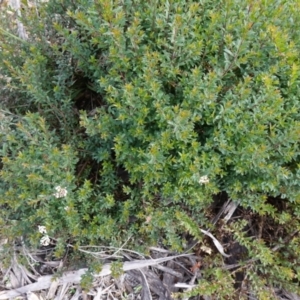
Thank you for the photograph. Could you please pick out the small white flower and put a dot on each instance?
(45, 240)
(66, 208)
(42, 229)
(204, 179)
(60, 192)
(206, 249)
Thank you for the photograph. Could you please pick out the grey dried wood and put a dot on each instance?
(155, 284)
(146, 294)
(170, 277)
(44, 282)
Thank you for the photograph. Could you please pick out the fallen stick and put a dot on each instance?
(44, 282)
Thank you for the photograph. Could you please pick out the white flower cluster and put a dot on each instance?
(60, 192)
(204, 179)
(42, 229)
(45, 240)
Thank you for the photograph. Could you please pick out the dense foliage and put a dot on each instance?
(127, 105)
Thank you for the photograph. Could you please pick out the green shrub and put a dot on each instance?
(128, 106)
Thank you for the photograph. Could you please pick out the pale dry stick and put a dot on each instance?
(84, 295)
(14, 37)
(102, 292)
(5, 275)
(260, 227)
(129, 251)
(29, 277)
(146, 288)
(277, 247)
(216, 242)
(16, 5)
(28, 254)
(183, 285)
(183, 267)
(100, 254)
(18, 273)
(52, 289)
(32, 296)
(94, 254)
(62, 292)
(14, 274)
(76, 295)
(228, 207)
(52, 264)
(111, 295)
(191, 284)
(54, 285)
(8, 112)
(121, 248)
(160, 250)
(13, 281)
(221, 211)
(108, 247)
(290, 296)
(44, 282)
(168, 270)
